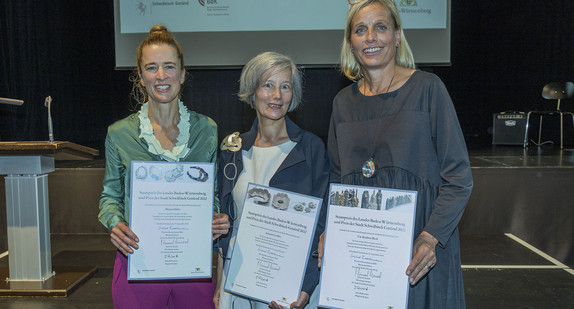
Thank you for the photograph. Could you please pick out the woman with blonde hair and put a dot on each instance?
(396, 127)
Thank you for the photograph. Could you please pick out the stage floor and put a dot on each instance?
(500, 271)
(484, 155)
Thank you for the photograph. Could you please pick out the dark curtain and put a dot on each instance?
(63, 49)
(504, 52)
(502, 55)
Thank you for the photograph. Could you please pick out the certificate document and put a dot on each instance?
(171, 211)
(272, 245)
(368, 244)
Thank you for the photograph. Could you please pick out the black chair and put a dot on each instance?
(553, 91)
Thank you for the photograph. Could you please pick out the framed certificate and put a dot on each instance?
(171, 210)
(272, 245)
(367, 248)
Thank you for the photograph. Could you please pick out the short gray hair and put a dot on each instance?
(263, 66)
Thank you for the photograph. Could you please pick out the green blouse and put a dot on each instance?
(124, 144)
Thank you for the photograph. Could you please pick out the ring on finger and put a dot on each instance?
(428, 266)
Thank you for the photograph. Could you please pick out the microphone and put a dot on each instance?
(11, 101)
(48, 103)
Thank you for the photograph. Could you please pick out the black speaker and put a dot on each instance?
(508, 128)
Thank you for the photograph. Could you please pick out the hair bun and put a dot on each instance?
(158, 29)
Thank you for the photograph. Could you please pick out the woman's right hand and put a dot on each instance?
(124, 238)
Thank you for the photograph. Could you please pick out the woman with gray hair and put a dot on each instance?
(275, 153)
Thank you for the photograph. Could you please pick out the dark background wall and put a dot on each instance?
(503, 52)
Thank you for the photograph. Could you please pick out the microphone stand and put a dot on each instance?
(48, 103)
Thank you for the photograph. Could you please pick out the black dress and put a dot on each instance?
(414, 137)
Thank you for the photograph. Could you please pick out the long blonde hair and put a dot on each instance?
(349, 64)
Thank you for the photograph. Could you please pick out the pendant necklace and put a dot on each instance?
(369, 167)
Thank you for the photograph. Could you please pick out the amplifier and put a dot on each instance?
(508, 128)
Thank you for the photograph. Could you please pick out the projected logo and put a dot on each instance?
(408, 3)
(210, 2)
(141, 8)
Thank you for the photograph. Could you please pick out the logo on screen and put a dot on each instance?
(141, 8)
(202, 2)
(408, 3)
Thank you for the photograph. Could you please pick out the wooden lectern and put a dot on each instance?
(26, 166)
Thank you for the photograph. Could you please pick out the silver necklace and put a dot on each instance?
(369, 167)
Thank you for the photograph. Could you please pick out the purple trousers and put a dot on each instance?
(175, 295)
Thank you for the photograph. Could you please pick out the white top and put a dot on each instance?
(259, 165)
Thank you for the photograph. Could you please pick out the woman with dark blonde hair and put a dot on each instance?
(163, 130)
(396, 127)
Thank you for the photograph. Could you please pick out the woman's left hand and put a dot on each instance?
(320, 249)
(424, 257)
(300, 303)
(220, 225)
